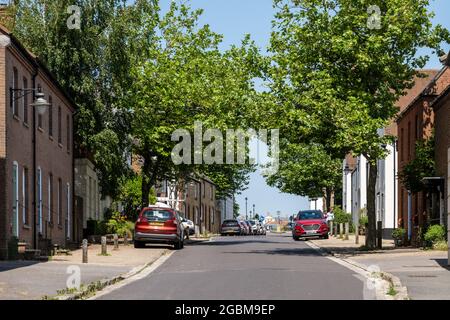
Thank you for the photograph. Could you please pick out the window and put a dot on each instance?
(68, 226)
(15, 199)
(15, 94)
(409, 140)
(50, 116)
(59, 202)
(402, 143)
(50, 198)
(25, 101)
(59, 125)
(25, 195)
(39, 200)
(68, 132)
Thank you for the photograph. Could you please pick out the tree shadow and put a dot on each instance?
(7, 265)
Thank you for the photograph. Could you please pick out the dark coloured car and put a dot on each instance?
(159, 225)
(230, 227)
(310, 223)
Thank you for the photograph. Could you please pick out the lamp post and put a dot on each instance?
(246, 213)
(254, 212)
(40, 105)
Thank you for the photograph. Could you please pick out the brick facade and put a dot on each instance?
(54, 154)
(416, 123)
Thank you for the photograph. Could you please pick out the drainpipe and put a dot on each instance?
(395, 183)
(35, 240)
(409, 215)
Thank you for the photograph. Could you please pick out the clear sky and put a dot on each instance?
(235, 18)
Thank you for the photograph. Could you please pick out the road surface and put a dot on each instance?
(243, 268)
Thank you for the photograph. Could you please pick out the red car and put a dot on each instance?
(159, 225)
(310, 223)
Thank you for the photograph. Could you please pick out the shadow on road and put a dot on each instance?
(10, 265)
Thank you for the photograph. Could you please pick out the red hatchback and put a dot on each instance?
(310, 223)
(159, 225)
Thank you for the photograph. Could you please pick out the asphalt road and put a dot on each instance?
(242, 268)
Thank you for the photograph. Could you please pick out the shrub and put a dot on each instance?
(119, 224)
(342, 217)
(434, 234)
(363, 220)
(441, 245)
(399, 233)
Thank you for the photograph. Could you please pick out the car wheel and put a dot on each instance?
(139, 244)
(178, 245)
(325, 237)
(296, 238)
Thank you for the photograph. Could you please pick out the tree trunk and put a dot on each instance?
(328, 193)
(145, 189)
(371, 205)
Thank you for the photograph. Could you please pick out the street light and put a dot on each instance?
(39, 104)
(246, 214)
(254, 212)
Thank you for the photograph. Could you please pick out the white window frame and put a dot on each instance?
(15, 217)
(68, 211)
(39, 182)
(24, 196)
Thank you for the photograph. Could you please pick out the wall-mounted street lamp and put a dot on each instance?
(40, 105)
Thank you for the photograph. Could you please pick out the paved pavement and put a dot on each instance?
(241, 268)
(424, 273)
(27, 280)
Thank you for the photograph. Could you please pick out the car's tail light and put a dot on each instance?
(142, 220)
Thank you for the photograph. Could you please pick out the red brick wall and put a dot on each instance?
(52, 157)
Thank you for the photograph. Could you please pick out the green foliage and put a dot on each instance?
(434, 234)
(335, 81)
(440, 245)
(119, 224)
(399, 234)
(363, 220)
(423, 165)
(340, 216)
(130, 195)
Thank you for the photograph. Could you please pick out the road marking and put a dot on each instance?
(142, 274)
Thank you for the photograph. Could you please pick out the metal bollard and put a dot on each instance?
(331, 227)
(380, 234)
(104, 248)
(341, 230)
(347, 230)
(335, 231)
(85, 251)
(125, 239)
(116, 242)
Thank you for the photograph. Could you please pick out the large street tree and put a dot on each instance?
(338, 69)
(93, 64)
(187, 79)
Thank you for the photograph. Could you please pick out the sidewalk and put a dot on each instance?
(424, 272)
(31, 280)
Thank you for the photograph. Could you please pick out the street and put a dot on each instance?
(245, 268)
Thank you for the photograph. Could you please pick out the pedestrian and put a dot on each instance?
(329, 217)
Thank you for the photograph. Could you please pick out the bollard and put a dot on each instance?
(356, 233)
(331, 227)
(116, 242)
(125, 239)
(85, 251)
(347, 230)
(104, 248)
(380, 234)
(335, 231)
(341, 230)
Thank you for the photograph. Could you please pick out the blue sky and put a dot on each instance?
(235, 18)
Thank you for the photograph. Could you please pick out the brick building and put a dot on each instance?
(35, 195)
(416, 123)
(441, 108)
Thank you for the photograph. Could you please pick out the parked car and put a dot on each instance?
(159, 225)
(249, 225)
(310, 223)
(244, 228)
(230, 227)
(262, 229)
(255, 226)
(188, 225)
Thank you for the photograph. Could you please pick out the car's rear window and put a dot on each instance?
(310, 215)
(230, 223)
(252, 222)
(158, 215)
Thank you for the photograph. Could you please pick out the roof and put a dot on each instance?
(420, 88)
(436, 103)
(37, 63)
